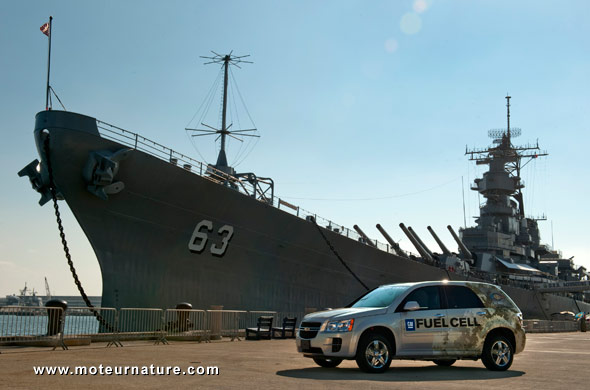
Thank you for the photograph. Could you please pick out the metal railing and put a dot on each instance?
(80, 322)
(225, 323)
(41, 326)
(140, 323)
(543, 326)
(38, 326)
(185, 324)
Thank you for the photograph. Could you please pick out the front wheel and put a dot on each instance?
(445, 363)
(497, 354)
(327, 362)
(374, 353)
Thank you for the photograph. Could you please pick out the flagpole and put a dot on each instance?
(48, 68)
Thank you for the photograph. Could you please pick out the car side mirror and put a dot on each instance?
(411, 306)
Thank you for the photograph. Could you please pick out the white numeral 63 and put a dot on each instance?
(200, 236)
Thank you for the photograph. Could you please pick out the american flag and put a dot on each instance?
(45, 29)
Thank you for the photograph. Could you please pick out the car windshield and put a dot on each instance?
(381, 297)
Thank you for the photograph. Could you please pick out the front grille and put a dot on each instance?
(308, 330)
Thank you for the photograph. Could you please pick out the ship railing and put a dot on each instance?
(334, 227)
(35, 326)
(164, 153)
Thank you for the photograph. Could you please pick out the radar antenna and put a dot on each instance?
(226, 60)
(499, 134)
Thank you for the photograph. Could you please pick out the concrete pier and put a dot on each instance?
(550, 361)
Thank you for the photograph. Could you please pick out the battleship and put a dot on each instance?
(167, 228)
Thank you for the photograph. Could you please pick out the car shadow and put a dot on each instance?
(401, 374)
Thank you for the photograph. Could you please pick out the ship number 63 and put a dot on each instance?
(200, 237)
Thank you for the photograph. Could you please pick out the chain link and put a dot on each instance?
(96, 314)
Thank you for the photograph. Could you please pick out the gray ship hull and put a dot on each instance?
(272, 261)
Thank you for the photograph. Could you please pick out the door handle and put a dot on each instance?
(439, 315)
(481, 313)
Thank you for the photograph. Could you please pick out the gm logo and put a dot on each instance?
(410, 325)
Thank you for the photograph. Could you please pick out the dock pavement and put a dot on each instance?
(550, 361)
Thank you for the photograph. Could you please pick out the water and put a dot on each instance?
(36, 325)
(33, 321)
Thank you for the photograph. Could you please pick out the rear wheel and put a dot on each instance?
(374, 353)
(327, 362)
(498, 353)
(444, 363)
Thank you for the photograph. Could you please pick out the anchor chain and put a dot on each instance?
(96, 314)
(338, 256)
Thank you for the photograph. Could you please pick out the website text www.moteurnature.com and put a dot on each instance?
(125, 370)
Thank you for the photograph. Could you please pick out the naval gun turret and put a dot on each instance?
(445, 260)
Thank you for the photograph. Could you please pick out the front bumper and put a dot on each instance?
(341, 345)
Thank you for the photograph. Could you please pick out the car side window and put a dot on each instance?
(427, 297)
(460, 297)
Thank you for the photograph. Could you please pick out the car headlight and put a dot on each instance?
(339, 326)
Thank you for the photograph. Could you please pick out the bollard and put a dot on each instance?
(184, 323)
(215, 319)
(583, 326)
(54, 317)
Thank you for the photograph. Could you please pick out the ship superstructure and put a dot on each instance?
(505, 240)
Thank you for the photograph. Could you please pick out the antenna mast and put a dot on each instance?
(508, 114)
(226, 60)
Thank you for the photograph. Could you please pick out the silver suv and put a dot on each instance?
(438, 321)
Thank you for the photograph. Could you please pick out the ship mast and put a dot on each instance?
(504, 159)
(225, 61)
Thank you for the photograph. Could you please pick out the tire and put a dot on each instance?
(374, 353)
(444, 363)
(327, 362)
(498, 353)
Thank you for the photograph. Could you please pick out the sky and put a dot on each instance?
(364, 108)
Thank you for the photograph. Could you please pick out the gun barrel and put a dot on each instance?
(439, 242)
(393, 244)
(462, 246)
(363, 235)
(416, 244)
(421, 242)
